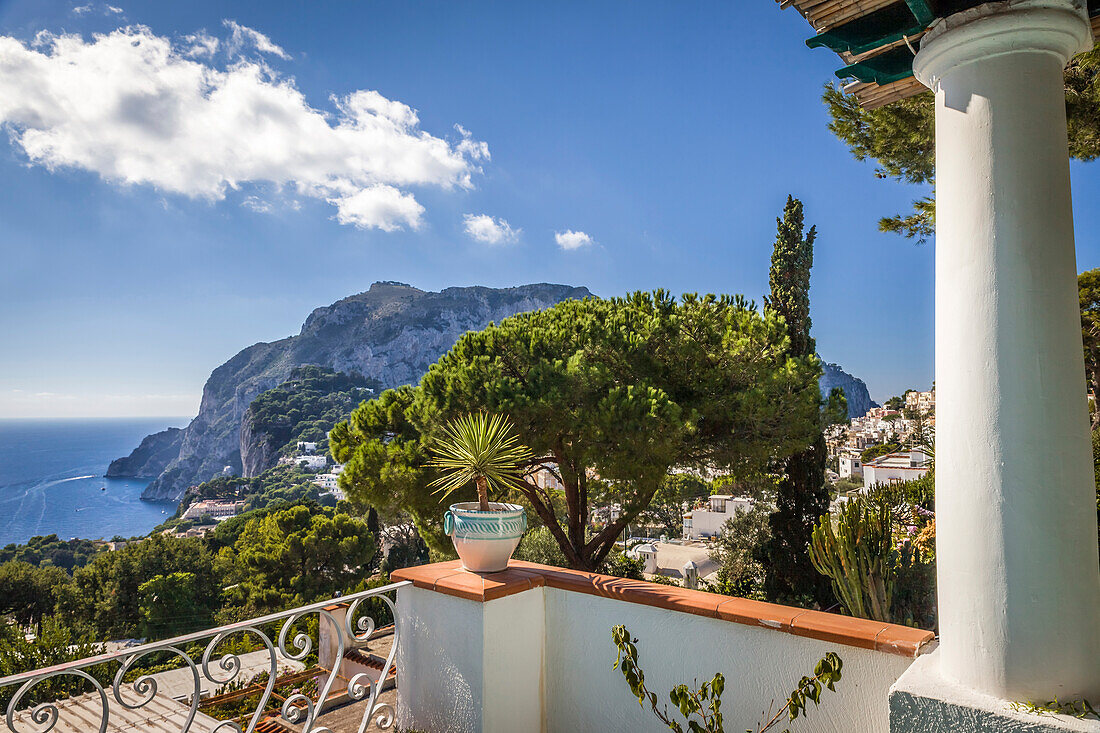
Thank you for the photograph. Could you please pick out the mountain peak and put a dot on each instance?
(390, 334)
(859, 400)
(387, 284)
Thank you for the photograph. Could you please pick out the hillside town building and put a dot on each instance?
(708, 521)
(921, 401)
(850, 465)
(307, 462)
(894, 468)
(214, 508)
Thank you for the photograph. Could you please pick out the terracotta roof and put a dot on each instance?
(271, 725)
(450, 579)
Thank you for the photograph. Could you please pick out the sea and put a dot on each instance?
(52, 479)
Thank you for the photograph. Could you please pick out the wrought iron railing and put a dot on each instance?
(355, 629)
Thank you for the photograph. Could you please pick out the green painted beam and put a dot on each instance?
(875, 30)
(895, 64)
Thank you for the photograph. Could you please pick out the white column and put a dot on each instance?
(1019, 585)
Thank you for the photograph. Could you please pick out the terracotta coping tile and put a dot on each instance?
(903, 640)
(425, 576)
(636, 591)
(757, 613)
(449, 578)
(833, 627)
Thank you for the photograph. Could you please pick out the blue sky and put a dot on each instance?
(140, 253)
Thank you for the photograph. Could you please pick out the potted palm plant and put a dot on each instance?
(483, 449)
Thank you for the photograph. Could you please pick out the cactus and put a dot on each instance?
(854, 548)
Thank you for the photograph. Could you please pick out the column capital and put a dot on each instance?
(1058, 27)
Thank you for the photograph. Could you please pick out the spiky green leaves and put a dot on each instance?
(479, 448)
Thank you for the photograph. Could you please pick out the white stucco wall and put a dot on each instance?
(542, 660)
(850, 466)
(470, 666)
(439, 661)
(583, 692)
(709, 523)
(514, 662)
(874, 475)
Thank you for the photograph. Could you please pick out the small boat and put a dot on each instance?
(163, 512)
(102, 488)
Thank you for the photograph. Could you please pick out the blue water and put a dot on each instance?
(51, 476)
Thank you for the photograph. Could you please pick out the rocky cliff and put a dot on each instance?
(390, 334)
(150, 458)
(859, 399)
(259, 448)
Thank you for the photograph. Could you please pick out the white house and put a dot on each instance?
(327, 481)
(707, 522)
(648, 555)
(311, 463)
(896, 467)
(851, 465)
(306, 447)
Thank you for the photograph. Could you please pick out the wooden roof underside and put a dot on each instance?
(824, 15)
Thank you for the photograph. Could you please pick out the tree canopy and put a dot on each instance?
(901, 137)
(51, 550)
(306, 406)
(160, 586)
(737, 552)
(386, 464)
(293, 556)
(623, 389)
(29, 593)
(1088, 290)
(801, 494)
(107, 592)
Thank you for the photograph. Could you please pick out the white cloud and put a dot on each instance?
(484, 228)
(139, 109)
(569, 239)
(383, 207)
(243, 36)
(200, 45)
(92, 7)
(257, 204)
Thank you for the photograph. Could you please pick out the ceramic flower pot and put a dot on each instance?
(485, 540)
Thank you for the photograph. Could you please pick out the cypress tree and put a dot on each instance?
(801, 496)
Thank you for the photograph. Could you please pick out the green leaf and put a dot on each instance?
(477, 447)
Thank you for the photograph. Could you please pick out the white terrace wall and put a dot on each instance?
(761, 667)
(542, 660)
